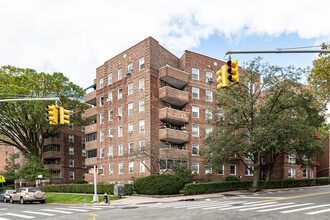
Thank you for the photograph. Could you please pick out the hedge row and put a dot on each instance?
(86, 188)
(214, 187)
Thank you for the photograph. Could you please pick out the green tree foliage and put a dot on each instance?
(267, 113)
(23, 124)
(319, 76)
(182, 170)
(10, 167)
(32, 169)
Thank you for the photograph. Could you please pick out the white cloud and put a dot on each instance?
(75, 37)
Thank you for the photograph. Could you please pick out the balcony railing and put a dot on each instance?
(52, 155)
(90, 98)
(173, 116)
(173, 96)
(174, 77)
(174, 153)
(173, 136)
(91, 114)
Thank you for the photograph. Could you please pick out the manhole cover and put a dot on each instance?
(130, 207)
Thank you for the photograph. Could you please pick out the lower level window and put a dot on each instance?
(71, 175)
(232, 169)
(248, 171)
(195, 168)
(292, 172)
(305, 173)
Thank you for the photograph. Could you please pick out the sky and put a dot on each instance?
(76, 36)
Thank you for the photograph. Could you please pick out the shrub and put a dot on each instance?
(218, 181)
(159, 185)
(182, 170)
(213, 187)
(79, 182)
(232, 179)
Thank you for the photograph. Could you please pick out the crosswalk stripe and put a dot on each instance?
(216, 205)
(180, 204)
(53, 210)
(267, 206)
(18, 215)
(305, 208)
(200, 205)
(4, 218)
(39, 213)
(246, 206)
(73, 209)
(286, 207)
(317, 212)
(93, 208)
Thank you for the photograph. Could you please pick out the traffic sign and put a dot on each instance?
(2, 179)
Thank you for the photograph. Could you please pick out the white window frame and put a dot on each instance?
(194, 129)
(83, 164)
(292, 159)
(130, 89)
(130, 108)
(195, 73)
(101, 83)
(102, 168)
(101, 118)
(101, 100)
(208, 131)
(101, 135)
(120, 168)
(142, 145)
(131, 167)
(195, 110)
(248, 172)
(71, 150)
(194, 166)
(142, 166)
(130, 67)
(120, 74)
(208, 75)
(130, 128)
(110, 153)
(141, 84)
(304, 173)
(230, 166)
(71, 138)
(110, 169)
(83, 153)
(101, 152)
(110, 115)
(120, 93)
(195, 92)
(130, 147)
(208, 170)
(141, 126)
(208, 114)
(120, 130)
(120, 111)
(208, 95)
(141, 63)
(110, 132)
(141, 105)
(223, 170)
(120, 150)
(194, 146)
(109, 97)
(71, 163)
(71, 174)
(110, 79)
(291, 172)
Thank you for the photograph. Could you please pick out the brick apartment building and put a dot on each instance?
(324, 168)
(63, 156)
(146, 95)
(5, 152)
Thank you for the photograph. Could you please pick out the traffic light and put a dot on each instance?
(64, 116)
(232, 70)
(52, 114)
(222, 79)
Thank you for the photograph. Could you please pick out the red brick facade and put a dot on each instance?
(5, 151)
(324, 168)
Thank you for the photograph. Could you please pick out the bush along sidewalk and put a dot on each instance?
(214, 187)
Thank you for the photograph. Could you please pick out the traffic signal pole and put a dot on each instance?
(31, 99)
(275, 51)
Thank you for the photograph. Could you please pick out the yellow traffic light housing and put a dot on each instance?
(64, 116)
(52, 114)
(232, 70)
(222, 79)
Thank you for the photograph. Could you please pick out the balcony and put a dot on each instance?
(173, 136)
(90, 98)
(53, 166)
(173, 116)
(91, 161)
(174, 77)
(56, 141)
(90, 128)
(174, 153)
(90, 145)
(52, 155)
(91, 114)
(173, 96)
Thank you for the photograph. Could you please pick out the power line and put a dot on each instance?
(292, 48)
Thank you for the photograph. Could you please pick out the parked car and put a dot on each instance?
(24, 195)
(6, 194)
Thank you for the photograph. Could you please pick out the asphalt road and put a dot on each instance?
(308, 203)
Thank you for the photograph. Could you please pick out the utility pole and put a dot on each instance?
(229, 52)
(95, 186)
(30, 99)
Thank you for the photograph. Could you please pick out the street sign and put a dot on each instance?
(2, 179)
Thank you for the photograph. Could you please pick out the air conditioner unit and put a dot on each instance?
(141, 89)
(210, 80)
(208, 172)
(129, 72)
(130, 132)
(110, 136)
(118, 116)
(109, 100)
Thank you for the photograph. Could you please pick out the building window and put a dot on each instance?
(250, 86)
(83, 153)
(101, 118)
(71, 175)
(120, 111)
(71, 138)
(142, 145)
(109, 100)
(195, 93)
(120, 131)
(141, 105)
(131, 167)
(130, 68)
(208, 95)
(142, 166)
(101, 100)
(195, 149)
(141, 125)
(195, 111)
(208, 114)
(248, 172)
(101, 136)
(102, 168)
(92, 153)
(71, 163)
(208, 131)
(292, 172)
(71, 150)
(130, 148)
(195, 168)
(221, 170)
(110, 153)
(120, 149)
(130, 128)
(110, 79)
(232, 169)
(130, 89)
(208, 76)
(102, 152)
(120, 93)
(101, 83)
(83, 140)
(195, 73)
(110, 116)
(141, 84)
(208, 170)
(292, 158)
(304, 173)
(110, 134)
(120, 74)
(195, 130)
(110, 169)
(83, 164)
(120, 168)
(130, 108)
(141, 63)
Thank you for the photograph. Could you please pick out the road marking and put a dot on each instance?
(73, 209)
(286, 207)
(18, 215)
(293, 197)
(230, 204)
(222, 204)
(254, 197)
(93, 208)
(53, 210)
(4, 218)
(317, 212)
(306, 208)
(39, 213)
(246, 206)
(267, 206)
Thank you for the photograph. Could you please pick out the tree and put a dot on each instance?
(319, 76)
(32, 169)
(10, 167)
(182, 170)
(268, 113)
(23, 124)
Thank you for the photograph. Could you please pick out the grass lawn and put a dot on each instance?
(65, 198)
